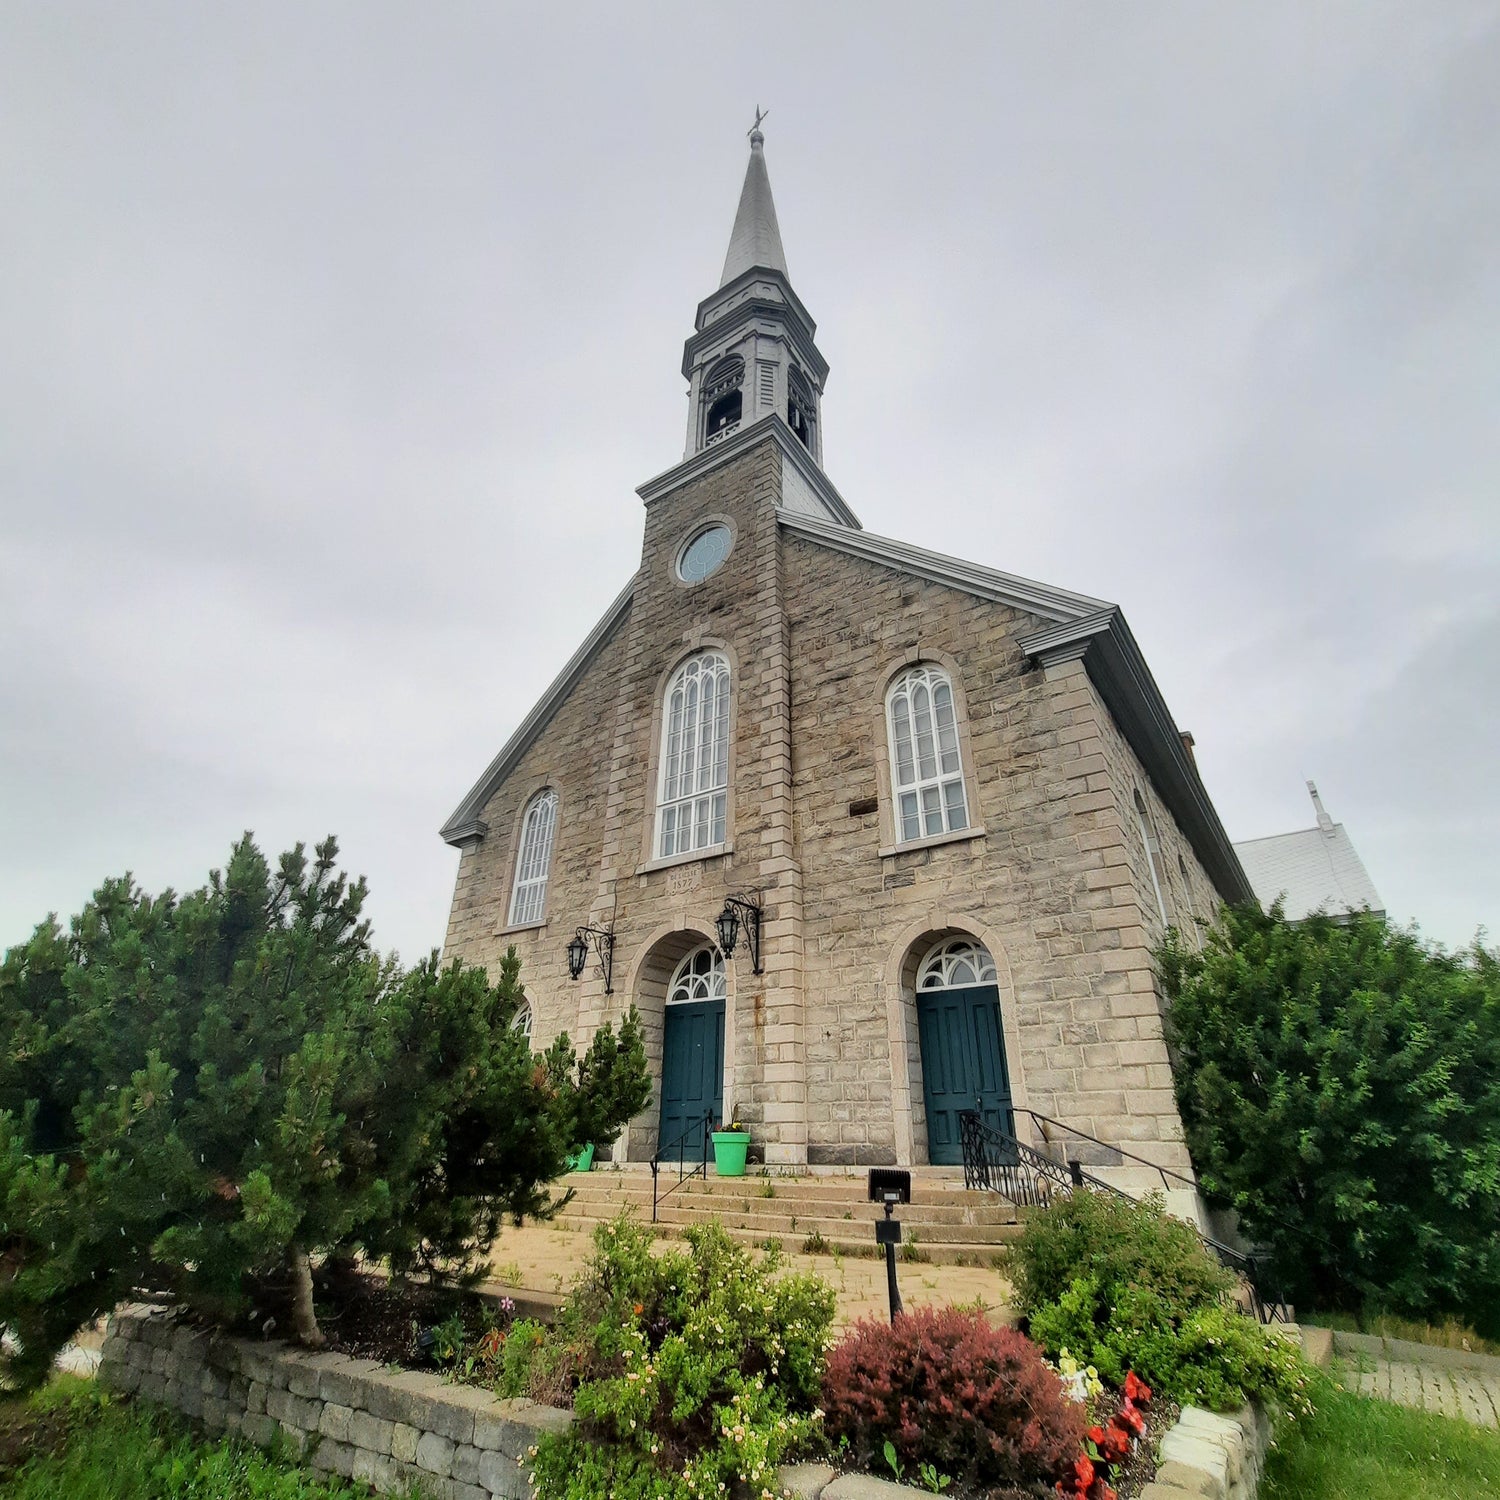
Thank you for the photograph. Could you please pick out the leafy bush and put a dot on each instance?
(1119, 1243)
(1337, 1080)
(1212, 1356)
(1123, 1286)
(946, 1388)
(196, 1088)
(691, 1371)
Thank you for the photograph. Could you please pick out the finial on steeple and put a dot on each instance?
(756, 138)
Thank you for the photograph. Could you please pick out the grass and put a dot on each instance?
(1357, 1448)
(1449, 1335)
(85, 1446)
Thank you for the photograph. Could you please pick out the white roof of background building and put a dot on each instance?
(1314, 869)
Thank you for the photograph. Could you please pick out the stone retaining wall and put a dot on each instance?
(352, 1417)
(1212, 1457)
(362, 1420)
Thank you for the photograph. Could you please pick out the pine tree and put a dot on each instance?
(234, 1082)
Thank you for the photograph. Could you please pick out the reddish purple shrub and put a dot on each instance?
(947, 1388)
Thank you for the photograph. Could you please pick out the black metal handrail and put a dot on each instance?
(705, 1124)
(1083, 1135)
(998, 1162)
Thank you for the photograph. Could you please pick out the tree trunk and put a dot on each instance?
(304, 1319)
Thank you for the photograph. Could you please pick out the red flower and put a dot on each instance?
(1083, 1474)
(1095, 1435)
(1131, 1418)
(1115, 1444)
(1136, 1389)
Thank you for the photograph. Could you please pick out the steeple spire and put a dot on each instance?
(756, 238)
(752, 354)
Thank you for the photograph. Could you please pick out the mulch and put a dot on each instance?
(365, 1316)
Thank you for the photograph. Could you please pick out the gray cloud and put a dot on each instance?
(336, 342)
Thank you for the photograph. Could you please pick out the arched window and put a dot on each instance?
(1153, 854)
(799, 406)
(700, 976)
(521, 1021)
(723, 399)
(528, 897)
(927, 776)
(692, 795)
(956, 964)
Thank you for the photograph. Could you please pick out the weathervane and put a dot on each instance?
(760, 115)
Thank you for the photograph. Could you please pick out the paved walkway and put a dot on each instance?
(543, 1259)
(1446, 1381)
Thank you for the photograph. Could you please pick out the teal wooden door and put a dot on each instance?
(963, 1065)
(692, 1072)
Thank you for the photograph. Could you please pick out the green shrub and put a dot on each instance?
(1214, 1356)
(1337, 1083)
(1119, 1243)
(1123, 1286)
(693, 1370)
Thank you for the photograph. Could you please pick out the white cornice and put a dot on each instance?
(772, 425)
(988, 583)
(465, 826)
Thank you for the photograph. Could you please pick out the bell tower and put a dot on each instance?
(752, 353)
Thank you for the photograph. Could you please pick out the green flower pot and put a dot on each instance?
(730, 1147)
(583, 1161)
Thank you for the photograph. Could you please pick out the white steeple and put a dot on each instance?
(756, 238)
(753, 352)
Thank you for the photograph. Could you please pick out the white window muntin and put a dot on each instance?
(521, 1021)
(528, 897)
(693, 791)
(956, 964)
(927, 777)
(1148, 838)
(700, 976)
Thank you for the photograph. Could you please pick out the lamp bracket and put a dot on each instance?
(602, 940)
(750, 913)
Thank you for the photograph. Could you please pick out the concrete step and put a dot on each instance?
(978, 1213)
(635, 1187)
(844, 1238)
(855, 1230)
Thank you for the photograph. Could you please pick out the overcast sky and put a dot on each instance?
(335, 339)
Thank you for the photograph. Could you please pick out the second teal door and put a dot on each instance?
(963, 1065)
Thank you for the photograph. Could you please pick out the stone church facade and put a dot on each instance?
(955, 795)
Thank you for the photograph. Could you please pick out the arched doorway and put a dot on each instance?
(692, 1051)
(963, 1048)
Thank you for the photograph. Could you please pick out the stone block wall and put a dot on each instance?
(822, 1056)
(390, 1429)
(1209, 1456)
(351, 1417)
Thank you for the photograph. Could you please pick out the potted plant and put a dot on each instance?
(731, 1142)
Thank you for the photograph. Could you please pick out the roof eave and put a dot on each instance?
(466, 826)
(988, 583)
(1113, 660)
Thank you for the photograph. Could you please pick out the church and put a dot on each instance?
(868, 834)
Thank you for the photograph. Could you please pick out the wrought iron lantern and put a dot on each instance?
(603, 941)
(740, 910)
